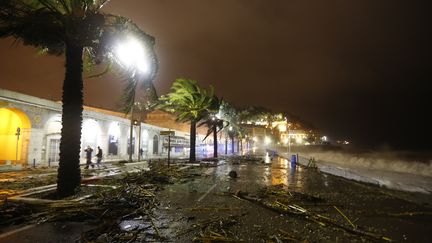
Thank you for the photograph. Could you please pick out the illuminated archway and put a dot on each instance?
(113, 138)
(53, 128)
(14, 135)
(90, 135)
(144, 142)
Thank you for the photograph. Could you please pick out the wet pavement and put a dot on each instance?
(210, 197)
(13, 183)
(205, 205)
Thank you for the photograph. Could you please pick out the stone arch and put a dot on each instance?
(53, 128)
(114, 133)
(15, 128)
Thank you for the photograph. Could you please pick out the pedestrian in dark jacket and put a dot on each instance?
(89, 152)
(99, 157)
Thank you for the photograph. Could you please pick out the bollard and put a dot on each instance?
(49, 162)
(34, 163)
(293, 160)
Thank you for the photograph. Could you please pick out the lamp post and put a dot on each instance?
(289, 140)
(132, 55)
(17, 134)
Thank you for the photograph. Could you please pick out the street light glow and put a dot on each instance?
(132, 54)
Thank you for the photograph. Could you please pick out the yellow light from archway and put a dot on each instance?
(10, 121)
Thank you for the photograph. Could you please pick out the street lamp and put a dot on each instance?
(133, 56)
(289, 139)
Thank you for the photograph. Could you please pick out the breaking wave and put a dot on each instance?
(376, 160)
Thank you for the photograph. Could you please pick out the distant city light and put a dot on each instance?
(282, 127)
(267, 140)
(324, 138)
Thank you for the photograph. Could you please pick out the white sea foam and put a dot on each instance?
(376, 161)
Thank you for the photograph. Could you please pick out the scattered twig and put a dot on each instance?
(345, 217)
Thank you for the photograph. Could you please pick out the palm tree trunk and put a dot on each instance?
(69, 174)
(226, 145)
(215, 142)
(232, 144)
(192, 156)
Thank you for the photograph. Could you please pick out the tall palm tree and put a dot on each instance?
(78, 29)
(191, 103)
(146, 101)
(214, 125)
(231, 115)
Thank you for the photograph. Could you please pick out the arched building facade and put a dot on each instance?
(30, 133)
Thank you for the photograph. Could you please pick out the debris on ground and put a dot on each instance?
(233, 174)
(277, 199)
(127, 198)
(217, 229)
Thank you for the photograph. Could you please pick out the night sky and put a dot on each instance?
(357, 70)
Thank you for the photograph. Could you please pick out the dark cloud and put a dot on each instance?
(355, 69)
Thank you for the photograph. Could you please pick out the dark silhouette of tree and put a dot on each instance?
(86, 36)
(214, 125)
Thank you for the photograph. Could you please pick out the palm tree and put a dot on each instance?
(231, 115)
(214, 125)
(78, 29)
(147, 101)
(191, 103)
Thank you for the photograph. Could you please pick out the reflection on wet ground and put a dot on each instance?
(208, 203)
(208, 197)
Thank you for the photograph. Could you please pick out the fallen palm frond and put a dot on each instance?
(288, 236)
(216, 229)
(312, 163)
(345, 217)
(302, 213)
(204, 209)
(128, 197)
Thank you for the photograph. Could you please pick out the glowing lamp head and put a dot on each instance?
(131, 54)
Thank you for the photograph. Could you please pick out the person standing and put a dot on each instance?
(141, 151)
(99, 157)
(89, 152)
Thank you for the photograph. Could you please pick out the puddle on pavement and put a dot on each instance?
(136, 224)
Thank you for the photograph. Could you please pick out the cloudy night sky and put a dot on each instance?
(357, 70)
